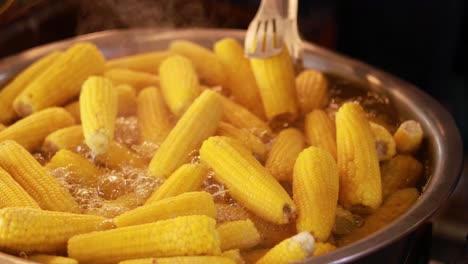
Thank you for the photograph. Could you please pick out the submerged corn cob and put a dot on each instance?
(251, 141)
(239, 76)
(187, 178)
(51, 259)
(402, 171)
(247, 180)
(397, 204)
(186, 235)
(34, 179)
(208, 66)
(312, 90)
(64, 76)
(13, 195)
(127, 100)
(358, 163)
(182, 260)
(284, 151)
(252, 256)
(240, 234)
(74, 109)
(153, 116)
(64, 138)
(118, 155)
(345, 221)
(315, 190)
(408, 137)
(33, 230)
(323, 248)
(191, 203)
(320, 131)
(31, 131)
(275, 80)
(16, 86)
(98, 109)
(188, 134)
(146, 62)
(235, 255)
(296, 248)
(384, 142)
(135, 79)
(2, 127)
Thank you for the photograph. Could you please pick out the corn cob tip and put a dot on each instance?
(99, 142)
(307, 242)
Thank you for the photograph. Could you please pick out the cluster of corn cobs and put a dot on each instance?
(245, 165)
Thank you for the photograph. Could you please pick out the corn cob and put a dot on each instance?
(275, 80)
(182, 260)
(400, 172)
(2, 127)
(235, 255)
(408, 137)
(64, 138)
(240, 234)
(51, 259)
(208, 66)
(153, 116)
(65, 76)
(187, 178)
(191, 203)
(135, 79)
(179, 83)
(74, 109)
(145, 62)
(118, 155)
(41, 124)
(251, 141)
(186, 235)
(98, 109)
(239, 76)
(34, 179)
(396, 204)
(127, 100)
(247, 180)
(252, 256)
(16, 86)
(82, 170)
(312, 90)
(296, 248)
(323, 248)
(320, 131)
(384, 142)
(315, 190)
(284, 151)
(13, 195)
(240, 117)
(358, 163)
(32, 230)
(188, 134)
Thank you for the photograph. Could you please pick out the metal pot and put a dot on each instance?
(442, 136)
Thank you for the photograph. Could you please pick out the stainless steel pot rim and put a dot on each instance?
(443, 135)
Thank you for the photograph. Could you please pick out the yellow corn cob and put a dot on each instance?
(296, 248)
(323, 248)
(74, 109)
(82, 170)
(396, 204)
(239, 76)
(51, 259)
(153, 116)
(251, 141)
(185, 235)
(127, 101)
(208, 66)
(358, 163)
(146, 62)
(315, 190)
(247, 180)
(312, 90)
(118, 155)
(16, 86)
(179, 83)
(240, 234)
(408, 137)
(31, 131)
(402, 171)
(33, 230)
(284, 151)
(198, 123)
(135, 79)
(235, 255)
(275, 80)
(34, 179)
(240, 117)
(252, 256)
(191, 203)
(64, 138)
(13, 195)
(64, 77)
(320, 131)
(384, 142)
(182, 260)
(187, 178)
(98, 109)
